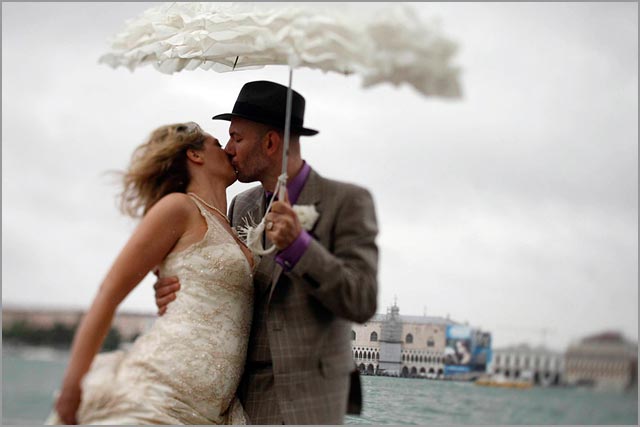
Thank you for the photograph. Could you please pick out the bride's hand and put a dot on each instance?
(68, 403)
(165, 290)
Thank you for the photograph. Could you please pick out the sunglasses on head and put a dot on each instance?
(188, 128)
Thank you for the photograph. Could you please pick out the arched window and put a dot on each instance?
(409, 339)
(374, 336)
(353, 335)
(403, 357)
(430, 342)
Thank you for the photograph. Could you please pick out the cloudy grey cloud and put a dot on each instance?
(514, 208)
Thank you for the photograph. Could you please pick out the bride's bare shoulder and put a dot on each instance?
(175, 205)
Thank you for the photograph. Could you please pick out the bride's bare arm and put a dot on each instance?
(150, 243)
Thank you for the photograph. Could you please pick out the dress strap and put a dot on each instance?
(216, 210)
(197, 203)
(203, 210)
(211, 218)
(207, 214)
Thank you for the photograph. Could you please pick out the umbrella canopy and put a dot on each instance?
(381, 42)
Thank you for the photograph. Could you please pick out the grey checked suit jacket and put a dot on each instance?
(303, 317)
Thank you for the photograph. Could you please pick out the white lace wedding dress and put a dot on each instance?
(186, 368)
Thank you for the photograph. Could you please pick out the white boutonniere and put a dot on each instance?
(307, 215)
(251, 233)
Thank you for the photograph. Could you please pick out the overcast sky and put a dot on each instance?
(514, 208)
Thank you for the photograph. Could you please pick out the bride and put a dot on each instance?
(186, 369)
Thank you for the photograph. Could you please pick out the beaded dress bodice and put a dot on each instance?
(186, 368)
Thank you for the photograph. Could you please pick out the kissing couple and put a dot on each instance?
(240, 339)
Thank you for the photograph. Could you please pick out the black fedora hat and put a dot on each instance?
(266, 102)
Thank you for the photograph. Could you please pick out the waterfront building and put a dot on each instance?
(400, 345)
(537, 365)
(128, 324)
(604, 360)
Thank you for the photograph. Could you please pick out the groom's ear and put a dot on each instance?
(195, 156)
(272, 142)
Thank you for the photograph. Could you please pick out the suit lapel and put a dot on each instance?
(310, 194)
(251, 212)
(254, 213)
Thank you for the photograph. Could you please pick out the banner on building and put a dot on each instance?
(466, 350)
(457, 350)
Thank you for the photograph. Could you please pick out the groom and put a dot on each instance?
(300, 368)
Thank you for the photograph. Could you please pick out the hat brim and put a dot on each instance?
(296, 130)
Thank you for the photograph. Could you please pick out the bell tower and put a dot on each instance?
(391, 342)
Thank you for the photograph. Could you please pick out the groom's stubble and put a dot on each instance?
(257, 165)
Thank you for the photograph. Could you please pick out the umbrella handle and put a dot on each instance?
(253, 234)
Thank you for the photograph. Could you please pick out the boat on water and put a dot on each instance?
(499, 381)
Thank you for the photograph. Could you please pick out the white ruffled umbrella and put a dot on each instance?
(382, 42)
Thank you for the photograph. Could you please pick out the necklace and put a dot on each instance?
(212, 207)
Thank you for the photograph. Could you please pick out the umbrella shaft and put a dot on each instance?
(287, 131)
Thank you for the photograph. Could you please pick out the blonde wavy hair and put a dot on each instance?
(159, 167)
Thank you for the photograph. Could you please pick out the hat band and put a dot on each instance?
(261, 114)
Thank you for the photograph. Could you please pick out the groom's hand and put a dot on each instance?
(165, 289)
(282, 224)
